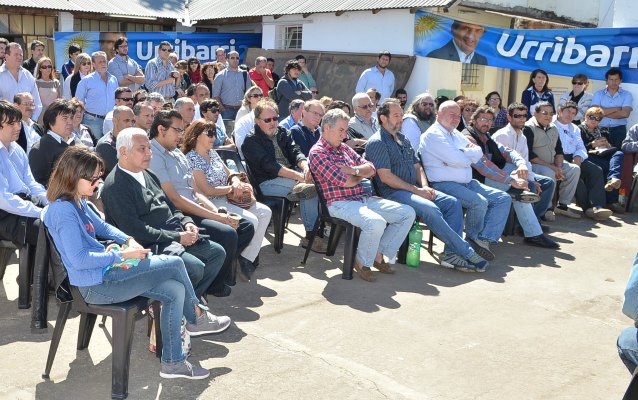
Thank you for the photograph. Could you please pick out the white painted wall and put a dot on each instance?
(65, 22)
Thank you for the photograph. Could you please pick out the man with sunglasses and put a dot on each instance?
(229, 87)
(126, 70)
(362, 125)
(421, 114)
(161, 75)
(261, 75)
(123, 97)
(547, 157)
(307, 132)
(511, 136)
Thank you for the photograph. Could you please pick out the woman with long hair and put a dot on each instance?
(209, 70)
(578, 95)
(48, 85)
(217, 181)
(537, 90)
(116, 274)
(493, 100)
(194, 70)
(83, 67)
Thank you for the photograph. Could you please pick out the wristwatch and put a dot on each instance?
(356, 172)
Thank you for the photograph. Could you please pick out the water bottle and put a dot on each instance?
(415, 236)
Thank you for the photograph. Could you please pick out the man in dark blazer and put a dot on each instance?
(135, 202)
(58, 124)
(466, 37)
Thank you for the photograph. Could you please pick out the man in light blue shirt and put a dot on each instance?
(379, 77)
(14, 79)
(21, 197)
(126, 70)
(97, 92)
(617, 104)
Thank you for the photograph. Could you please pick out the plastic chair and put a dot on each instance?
(337, 226)
(281, 207)
(123, 315)
(26, 256)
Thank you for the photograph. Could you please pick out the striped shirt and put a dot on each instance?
(157, 71)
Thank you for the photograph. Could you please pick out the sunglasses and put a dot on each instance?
(93, 179)
(233, 58)
(46, 67)
(211, 133)
(315, 92)
(86, 63)
(194, 63)
(256, 95)
(594, 118)
(165, 49)
(139, 100)
(214, 110)
(269, 120)
(547, 112)
(125, 98)
(519, 115)
(578, 83)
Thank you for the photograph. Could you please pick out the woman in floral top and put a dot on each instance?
(211, 178)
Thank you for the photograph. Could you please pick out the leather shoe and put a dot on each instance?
(384, 267)
(364, 273)
(542, 241)
(524, 196)
(318, 245)
(246, 268)
(224, 292)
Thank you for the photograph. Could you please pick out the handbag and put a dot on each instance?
(247, 198)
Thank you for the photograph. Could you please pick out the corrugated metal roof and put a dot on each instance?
(219, 9)
(143, 8)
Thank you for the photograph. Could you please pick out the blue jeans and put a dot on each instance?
(95, 124)
(162, 278)
(372, 215)
(524, 211)
(627, 345)
(204, 261)
(612, 167)
(229, 114)
(617, 134)
(281, 187)
(443, 216)
(567, 188)
(487, 208)
(548, 186)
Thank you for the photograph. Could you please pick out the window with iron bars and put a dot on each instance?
(289, 37)
(471, 77)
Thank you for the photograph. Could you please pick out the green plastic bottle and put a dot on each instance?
(415, 236)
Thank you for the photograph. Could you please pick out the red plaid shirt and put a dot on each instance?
(324, 162)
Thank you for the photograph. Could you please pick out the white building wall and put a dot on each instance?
(65, 22)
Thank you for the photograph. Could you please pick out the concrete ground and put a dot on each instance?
(538, 324)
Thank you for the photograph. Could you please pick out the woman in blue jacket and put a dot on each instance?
(105, 277)
(537, 90)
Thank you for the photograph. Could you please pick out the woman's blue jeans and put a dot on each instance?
(162, 278)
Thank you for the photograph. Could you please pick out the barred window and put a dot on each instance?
(289, 37)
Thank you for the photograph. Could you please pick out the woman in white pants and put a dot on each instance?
(211, 177)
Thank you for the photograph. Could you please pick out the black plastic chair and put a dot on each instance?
(633, 193)
(26, 257)
(123, 315)
(337, 226)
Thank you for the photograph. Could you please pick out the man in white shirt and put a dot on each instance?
(590, 192)
(379, 77)
(447, 156)
(15, 79)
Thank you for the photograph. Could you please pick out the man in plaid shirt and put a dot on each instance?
(339, 171)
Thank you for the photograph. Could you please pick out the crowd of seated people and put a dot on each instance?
(144, 146)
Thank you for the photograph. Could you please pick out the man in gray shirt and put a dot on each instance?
(230, 85)
(126, 70)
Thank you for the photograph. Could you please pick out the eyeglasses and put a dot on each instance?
(317, 114)
(519, 115)
(469, 109)
(594, 118)
(233, 58)
(547, 112)
(256, 95)
(178, 130)
(269, 120)
(367, 106)
(494, 99)
(86, 63)
(213, 110)
(46, 67)
(488, 120)
(578, 83)
(165, 49)
(125, 98)
(93, 179)
(194, 63)
(139, 100)
(315, 91)
(211, 133)
(425, 103)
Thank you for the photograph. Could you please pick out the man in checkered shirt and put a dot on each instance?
(338, 171)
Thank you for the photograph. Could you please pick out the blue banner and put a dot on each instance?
(557, 51)
(143, 45)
